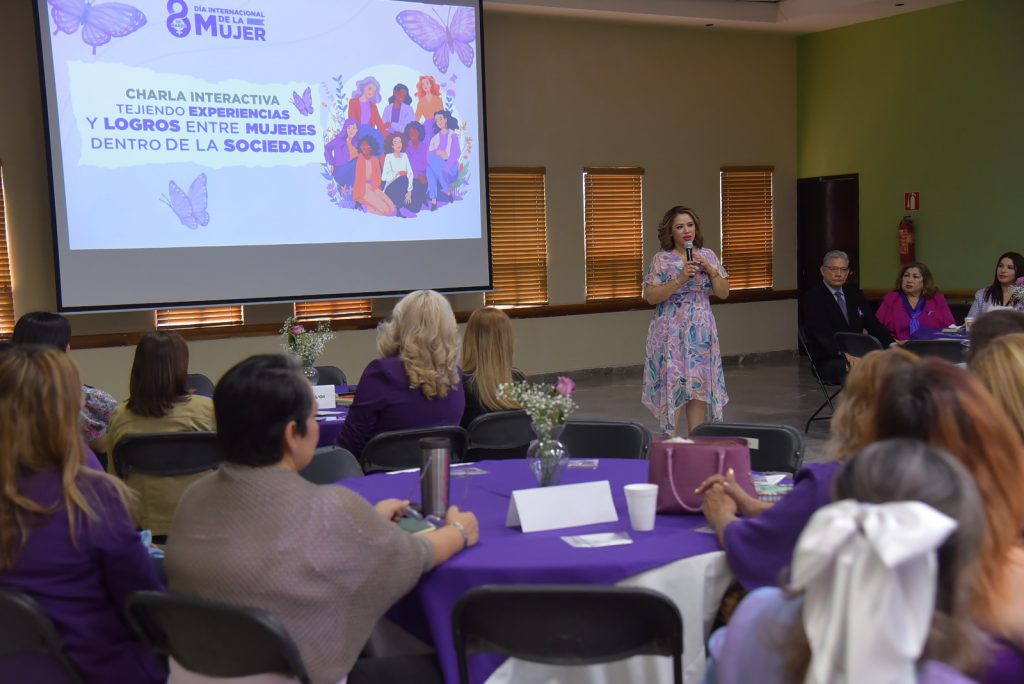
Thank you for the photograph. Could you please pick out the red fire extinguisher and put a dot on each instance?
(906, 236)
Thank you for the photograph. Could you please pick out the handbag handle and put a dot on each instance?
(720, 453)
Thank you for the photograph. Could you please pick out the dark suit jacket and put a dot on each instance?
(823, 318)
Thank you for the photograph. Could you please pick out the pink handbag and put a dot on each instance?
(678, 468)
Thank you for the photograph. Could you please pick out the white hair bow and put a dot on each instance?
(868, 573)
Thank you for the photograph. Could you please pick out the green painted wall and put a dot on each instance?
(930, 101)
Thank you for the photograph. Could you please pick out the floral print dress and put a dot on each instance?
(683, 360)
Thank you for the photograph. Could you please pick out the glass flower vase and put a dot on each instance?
(547, 456)
(311, 373)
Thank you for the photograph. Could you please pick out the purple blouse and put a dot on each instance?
(757, 549)
(84, 589)
(384, 401)
(418, 158)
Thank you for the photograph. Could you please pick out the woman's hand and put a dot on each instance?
(408, 198)
(392, 509)
(689, 270)
(720, 510)
(468, 522)
(748, 506)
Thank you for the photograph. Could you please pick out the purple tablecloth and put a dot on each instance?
(332, 420)
(508, 556)
(933, 334)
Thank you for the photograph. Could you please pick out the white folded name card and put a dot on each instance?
(554, 508)
(325, 396)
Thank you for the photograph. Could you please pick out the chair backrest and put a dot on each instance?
(606, 439)
(400, 449)
(951, 350)
(198, 383)
(567, 624)
(331, 465)
(331, 375)
(26, 630)
(215, 639)
(805, 347)
(167, 453)
(772, 447)
(856, 344)
(501, 434)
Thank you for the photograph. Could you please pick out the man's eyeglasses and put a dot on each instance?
(837, 269)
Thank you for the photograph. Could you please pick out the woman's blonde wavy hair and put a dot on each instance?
(421, 331)
(1000, 367)
(487, 350)
(850, 429)
(40, 401)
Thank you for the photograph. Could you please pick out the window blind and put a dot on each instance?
(747, 227)
(333, 309)
(613, 224)
(519, 236)
(6, 279)
(199, 317)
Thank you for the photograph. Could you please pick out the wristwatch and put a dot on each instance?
(462, 530)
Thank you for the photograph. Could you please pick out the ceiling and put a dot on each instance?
(783, 16)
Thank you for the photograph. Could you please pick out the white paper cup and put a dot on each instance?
(968, 322)
(641, 500)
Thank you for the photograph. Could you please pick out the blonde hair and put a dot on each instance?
(1000, 367)
(40, 401)
(850, 427)
(487, 350)
(421, 331)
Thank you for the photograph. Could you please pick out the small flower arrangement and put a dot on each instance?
(307, 345)
(547, 405)
(1017, 290)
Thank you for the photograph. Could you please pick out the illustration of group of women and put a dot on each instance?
(403, 161)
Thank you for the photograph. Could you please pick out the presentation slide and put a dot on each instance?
(260, 150)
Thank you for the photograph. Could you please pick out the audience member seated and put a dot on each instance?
(914, 304)
(53, 330)
(991, 325)
(337, 563)
(66, 538)
(159, 401)
(948, 408)
(1009, 267)
(1000, 367)
(878, 588)
(416, 382)
(488, 347)
(832, 306)
(760, 544)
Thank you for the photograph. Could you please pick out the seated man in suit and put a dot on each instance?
(834, 306)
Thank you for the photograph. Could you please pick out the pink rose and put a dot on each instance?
(565, 386)
(297, 329)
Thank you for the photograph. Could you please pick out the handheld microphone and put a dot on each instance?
(689, 250)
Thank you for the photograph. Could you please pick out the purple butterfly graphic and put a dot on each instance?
(99, 23)
(431, 35)
(191, 208)
(305, 103)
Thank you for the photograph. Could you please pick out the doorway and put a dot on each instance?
(827, 218)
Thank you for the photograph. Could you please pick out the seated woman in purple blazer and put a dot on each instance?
(760, 544)
(66, 538)
(915, 303)
(417, 382)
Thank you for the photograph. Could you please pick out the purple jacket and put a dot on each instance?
(757, 549)
(84, 589)
(384, 401)
(893, 315)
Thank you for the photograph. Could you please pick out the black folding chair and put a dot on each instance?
(331, 465)
(197, 383)
(950, 350)
(606, 439)
(215, 639)
(828, 390)
(400, 449)
(331, 375)
(567, 625)
(502, 434)
(772, 447)
(857, 344)
(26, 629)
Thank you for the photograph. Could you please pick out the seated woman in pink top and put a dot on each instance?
(914, 304)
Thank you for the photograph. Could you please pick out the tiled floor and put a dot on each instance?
(767, 392)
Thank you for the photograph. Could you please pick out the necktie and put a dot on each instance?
(841, 298)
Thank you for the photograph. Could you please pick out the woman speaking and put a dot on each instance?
(683, 366)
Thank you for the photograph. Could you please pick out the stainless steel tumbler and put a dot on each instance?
(436, 453)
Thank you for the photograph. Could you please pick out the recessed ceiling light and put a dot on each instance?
(899, 4)
(708, 25)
